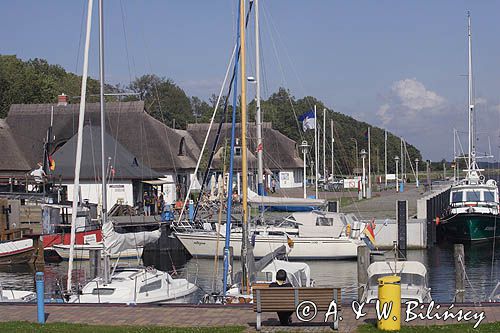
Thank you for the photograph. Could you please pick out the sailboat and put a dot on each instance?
(473, 203)
(123, 285)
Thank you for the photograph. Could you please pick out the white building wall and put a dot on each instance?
(121, 191)
(286, 179)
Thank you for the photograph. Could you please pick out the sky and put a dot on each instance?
(399, 65)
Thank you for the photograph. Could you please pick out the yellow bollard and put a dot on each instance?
(389, 290)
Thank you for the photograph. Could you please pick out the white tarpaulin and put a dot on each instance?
(115, 242)
(254, 198)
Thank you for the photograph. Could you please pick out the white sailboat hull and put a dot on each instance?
(136, 286)
(204, 244)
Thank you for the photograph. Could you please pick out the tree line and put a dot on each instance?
(37, 81)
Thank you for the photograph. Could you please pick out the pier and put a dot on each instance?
(214, 316)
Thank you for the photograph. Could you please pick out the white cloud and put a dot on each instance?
(384, 115)
(415, 96)
(481, 101)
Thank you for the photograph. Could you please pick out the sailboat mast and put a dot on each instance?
(258, 117)
(79, 145)
(324, 145)
(316, 152)
(104, 213)
(244, 167)
(333, 140)
(472, 152)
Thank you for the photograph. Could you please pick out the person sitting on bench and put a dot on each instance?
(284, 316)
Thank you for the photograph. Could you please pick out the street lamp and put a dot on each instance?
(305, 148)
(416, 172)
(356, 153)
(363, 154)
(397, 178)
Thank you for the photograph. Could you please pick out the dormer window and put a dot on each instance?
(181, 147)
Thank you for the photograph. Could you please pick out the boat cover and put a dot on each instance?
(115, 242)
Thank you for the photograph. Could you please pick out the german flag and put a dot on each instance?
(52, 163)
(370, 234)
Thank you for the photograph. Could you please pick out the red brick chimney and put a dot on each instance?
(62, 100)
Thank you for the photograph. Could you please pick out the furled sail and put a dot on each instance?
(115, 242)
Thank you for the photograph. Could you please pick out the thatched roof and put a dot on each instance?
(280, 152)
(125, 165)
(153, 144)
(12, 159)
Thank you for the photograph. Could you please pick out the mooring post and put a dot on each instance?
(40, 296)
(458, 254)
(363, 263)
(95, 263)
(402, 219)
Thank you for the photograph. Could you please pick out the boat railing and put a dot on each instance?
(489, 204)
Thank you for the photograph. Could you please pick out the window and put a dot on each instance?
(473, 196)
(456, 196)
(181, 147)
(297, 175)
(237, 151)
(324, 221)
(489, 196)
(150, 286)
(103, 291)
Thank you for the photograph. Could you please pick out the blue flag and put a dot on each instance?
(308, 120)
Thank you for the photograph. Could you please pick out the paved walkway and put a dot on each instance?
(383, 204)
(212, 315)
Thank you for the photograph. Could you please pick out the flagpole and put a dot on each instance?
(316, 159)
(369, 191)
(385, 151)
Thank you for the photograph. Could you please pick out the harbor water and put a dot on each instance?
(482, 268)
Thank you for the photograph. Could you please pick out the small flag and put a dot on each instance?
(52, 163)
(369, 233)
(259, 147)
(308, 120)
(289, 241)
(113, 171)
(366, 135)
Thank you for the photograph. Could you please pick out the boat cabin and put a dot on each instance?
(413, 280)
(478, 198)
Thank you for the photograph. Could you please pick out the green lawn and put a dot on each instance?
(454, 328)
(21, 327)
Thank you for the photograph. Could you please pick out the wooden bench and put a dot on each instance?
(287, 299)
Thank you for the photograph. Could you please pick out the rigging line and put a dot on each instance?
(292, 65)
(80, 38)
(223, 115)
(156, 96)
(216, 107)
(283, 75)
(126, 41)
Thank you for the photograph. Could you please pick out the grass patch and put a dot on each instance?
(22, 326)
(454, 328)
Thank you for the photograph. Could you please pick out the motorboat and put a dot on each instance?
(310, 235)
(414, 285)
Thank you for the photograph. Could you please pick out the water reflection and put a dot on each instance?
(482, 268)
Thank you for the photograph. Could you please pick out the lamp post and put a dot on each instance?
(356, 153)
(416, 172)
(305, 148)
(396, 159)
(428, 162)
(363, 154)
